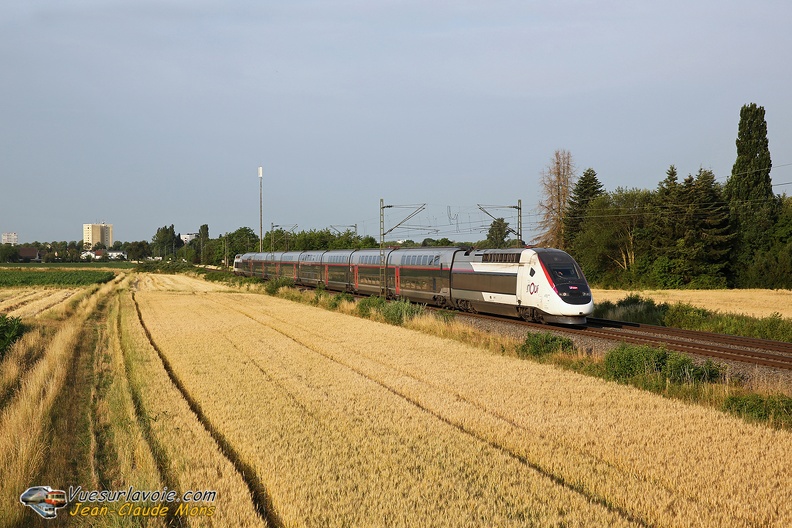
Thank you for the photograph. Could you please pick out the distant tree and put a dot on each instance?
(203, 240)
(138, 250)
(9, 253)
(557, 180)
(586, 189)
(368, 242)
(98, 246)
(498, 231)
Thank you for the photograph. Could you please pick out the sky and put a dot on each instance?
(144, 114)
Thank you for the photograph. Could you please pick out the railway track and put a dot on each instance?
(764, 352)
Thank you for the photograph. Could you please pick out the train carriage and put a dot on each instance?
(310, 269)
(421, 274)
(337, 269)
(286, 264)
(365, 264)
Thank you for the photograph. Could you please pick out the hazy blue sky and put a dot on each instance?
(151, 113)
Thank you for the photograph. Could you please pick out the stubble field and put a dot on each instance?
(303, 417)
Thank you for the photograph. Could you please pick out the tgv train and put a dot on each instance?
(537, 284)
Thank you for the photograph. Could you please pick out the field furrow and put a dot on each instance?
(187, 456)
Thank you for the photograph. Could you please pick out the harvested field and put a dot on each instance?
(350, 422)
(41, 302)
(754, 303)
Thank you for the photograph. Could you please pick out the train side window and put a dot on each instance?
(532, 272)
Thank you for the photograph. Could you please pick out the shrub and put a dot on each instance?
(335, 301)
(10, 330)
(633, 308)
(370, 304)
(627, 361)
(273, 285)
(541, 344)
(397, 312)
(775, 408)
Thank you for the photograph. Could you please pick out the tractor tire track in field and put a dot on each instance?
(160, 457)
(466, 430)
(261, 499)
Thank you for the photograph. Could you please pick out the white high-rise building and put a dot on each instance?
(10, 238)
(97, 234)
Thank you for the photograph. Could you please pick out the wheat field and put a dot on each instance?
(298, 416)
(754, 303)
(351, 422)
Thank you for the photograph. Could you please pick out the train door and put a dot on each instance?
(397, 273)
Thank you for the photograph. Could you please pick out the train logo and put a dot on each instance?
(44, 500)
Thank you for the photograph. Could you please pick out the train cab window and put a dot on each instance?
(565, 273)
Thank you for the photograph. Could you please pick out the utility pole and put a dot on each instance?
(261, 209)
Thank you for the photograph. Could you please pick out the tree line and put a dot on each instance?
(693, 233)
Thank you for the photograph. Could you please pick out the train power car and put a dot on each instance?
(538, 284)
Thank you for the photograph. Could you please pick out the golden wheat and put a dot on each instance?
(336, 446)
(755, 303)
(191, 458)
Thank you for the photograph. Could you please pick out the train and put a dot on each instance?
(543, 285)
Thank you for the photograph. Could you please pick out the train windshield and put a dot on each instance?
(561, 267)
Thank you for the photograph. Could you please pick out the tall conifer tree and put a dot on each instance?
(586, 189)
(749, 190)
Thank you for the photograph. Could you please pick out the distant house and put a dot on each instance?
(100, 253)
(29, 254)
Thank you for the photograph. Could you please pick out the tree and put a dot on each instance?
(586, 189)
(138, 250)
(557, 180)
(203, 240)
(9, 253)
(496, 236)
(754, 207)
(611, 241)
(165, 242)
(704, 241)
(750, 177)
